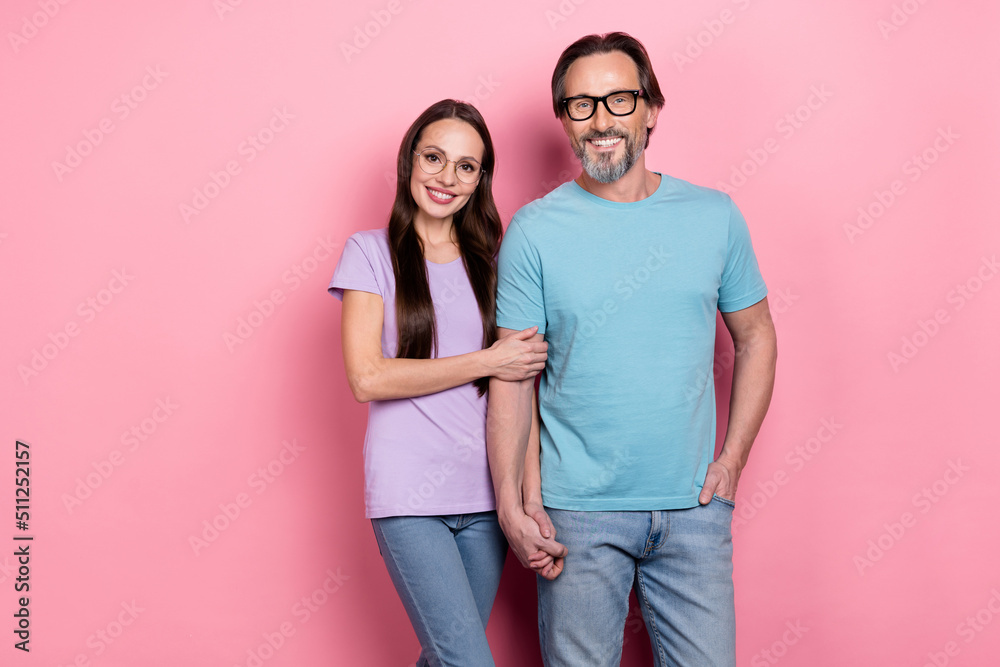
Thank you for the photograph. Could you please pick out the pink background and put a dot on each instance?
(841, 545)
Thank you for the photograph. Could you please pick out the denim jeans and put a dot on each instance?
(681, 564)
(446, 570)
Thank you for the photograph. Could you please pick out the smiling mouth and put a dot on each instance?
(605, 142)
(441, 197)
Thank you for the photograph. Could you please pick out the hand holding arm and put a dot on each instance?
(372, 376)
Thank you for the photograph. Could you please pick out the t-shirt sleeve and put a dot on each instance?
(742, 285)
(354, 270)
(520, 303)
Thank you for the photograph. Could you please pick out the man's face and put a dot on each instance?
(607, 145)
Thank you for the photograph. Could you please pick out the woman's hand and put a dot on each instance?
(514, 357)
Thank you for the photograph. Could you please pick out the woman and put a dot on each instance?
(419, 341)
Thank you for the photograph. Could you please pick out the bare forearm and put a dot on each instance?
(385, 379)
(753, 383)
(508, 423)
(531, 484)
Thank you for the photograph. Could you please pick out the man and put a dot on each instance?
(623, 270)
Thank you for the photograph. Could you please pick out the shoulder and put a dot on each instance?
(558, 200)
(700, 194)
(373, 244)
(371, 239)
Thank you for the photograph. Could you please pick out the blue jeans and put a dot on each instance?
(446, 570)
(681, 564)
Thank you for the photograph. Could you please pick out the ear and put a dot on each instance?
(652, 113)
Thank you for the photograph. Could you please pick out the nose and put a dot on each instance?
(449, 175)
(603, 119)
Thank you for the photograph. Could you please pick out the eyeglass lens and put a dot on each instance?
(621, 103)
(433, 162)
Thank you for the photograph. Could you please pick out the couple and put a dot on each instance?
(611, 284)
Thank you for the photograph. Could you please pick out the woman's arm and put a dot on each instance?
(373, 377)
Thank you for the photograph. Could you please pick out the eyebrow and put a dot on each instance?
(464, 157)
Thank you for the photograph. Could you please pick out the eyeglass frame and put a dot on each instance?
(482, 170)
(639, 94)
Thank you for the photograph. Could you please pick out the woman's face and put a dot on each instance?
(441, 195)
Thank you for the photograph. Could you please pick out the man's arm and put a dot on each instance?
(753, 380)
(531, 497)
(508, 426)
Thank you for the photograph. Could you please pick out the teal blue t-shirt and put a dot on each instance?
(626, 295)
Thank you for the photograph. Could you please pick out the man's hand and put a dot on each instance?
(524, 533)
(722, 478)
(542, 562)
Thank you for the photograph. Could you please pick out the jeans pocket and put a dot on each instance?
(724, 501)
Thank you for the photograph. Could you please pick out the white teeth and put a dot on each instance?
(439, 194)
(604, 143)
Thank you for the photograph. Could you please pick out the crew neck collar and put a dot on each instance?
(589, 196)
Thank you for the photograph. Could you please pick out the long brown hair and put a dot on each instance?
(477, 226)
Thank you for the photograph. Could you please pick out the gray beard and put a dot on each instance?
(604, 170)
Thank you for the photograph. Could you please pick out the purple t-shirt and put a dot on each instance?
(424, 455)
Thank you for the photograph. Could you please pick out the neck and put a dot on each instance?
(434, 231)
(438, 238)
(637, 184)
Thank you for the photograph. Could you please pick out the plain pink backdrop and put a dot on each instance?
(808, 111)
